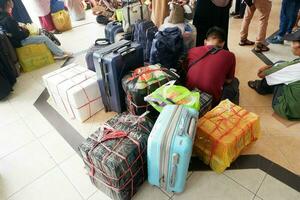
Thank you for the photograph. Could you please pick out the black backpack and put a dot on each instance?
(167, 48)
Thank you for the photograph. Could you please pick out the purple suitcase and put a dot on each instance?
(111, 64)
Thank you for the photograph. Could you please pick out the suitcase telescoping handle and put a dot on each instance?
(122, 47)
(175, 161)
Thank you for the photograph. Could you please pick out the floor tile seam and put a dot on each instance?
(256, 193)
(62, 171)
(283, 155)
(31, 182)
(30, 129)
(239, 183)
(57, 163)
(19, 148)
(10, 122)
(93, 194)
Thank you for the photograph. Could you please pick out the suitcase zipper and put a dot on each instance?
(165, 148)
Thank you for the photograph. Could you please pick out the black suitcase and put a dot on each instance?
(111, 29)
(111, 64)
(99, 43)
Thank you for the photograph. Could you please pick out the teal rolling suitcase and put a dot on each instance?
(170, 147)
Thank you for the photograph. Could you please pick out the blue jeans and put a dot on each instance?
(39, 39)
(288, 16)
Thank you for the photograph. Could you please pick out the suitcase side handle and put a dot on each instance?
(175, 161)
(192, 128)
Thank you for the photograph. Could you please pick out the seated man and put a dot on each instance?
(211, 68)
(19, 35)
(283, 80)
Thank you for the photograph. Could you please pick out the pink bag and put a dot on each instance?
(47, 23)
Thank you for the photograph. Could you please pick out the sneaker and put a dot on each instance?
(276, 40)
(66, 55)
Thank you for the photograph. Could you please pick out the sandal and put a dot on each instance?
(246, 42)
(259, 47)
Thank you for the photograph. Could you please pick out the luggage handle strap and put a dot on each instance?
(111, 134)
(102, 40)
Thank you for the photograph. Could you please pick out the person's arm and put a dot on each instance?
(231, 72)
(15, 30)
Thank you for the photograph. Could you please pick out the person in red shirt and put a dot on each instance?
(211, 68)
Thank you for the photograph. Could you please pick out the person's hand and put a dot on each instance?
(261, 70)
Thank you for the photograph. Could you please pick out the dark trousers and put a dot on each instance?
(208, 15)
(288, 16)
(240, 8)
(231, 91)
(263, 88)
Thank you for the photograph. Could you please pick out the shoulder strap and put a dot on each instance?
(213, 50)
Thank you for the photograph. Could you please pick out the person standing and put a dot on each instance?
(208, 15)
(288, 17)
(239, 11)
(264, 8)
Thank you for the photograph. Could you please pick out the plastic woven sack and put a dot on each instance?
(116, 155)
(34, 56)
(62, 20)
(223, 133)
(173, 94)
(142, 82)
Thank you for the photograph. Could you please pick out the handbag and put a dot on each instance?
(177, 14)
(221, 3)
(132, 13)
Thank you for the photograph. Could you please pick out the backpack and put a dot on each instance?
(144, 32)
(221, 3)
(167, 47)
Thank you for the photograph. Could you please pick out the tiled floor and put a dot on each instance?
(36, 163)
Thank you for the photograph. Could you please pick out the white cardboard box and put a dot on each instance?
(74, 89)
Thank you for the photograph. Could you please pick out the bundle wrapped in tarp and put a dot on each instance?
(142, 82)
(116, 155)
(223, 133)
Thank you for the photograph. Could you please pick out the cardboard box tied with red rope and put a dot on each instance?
(223, 133)
(74, 90)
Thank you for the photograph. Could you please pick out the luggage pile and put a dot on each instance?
(159, 122)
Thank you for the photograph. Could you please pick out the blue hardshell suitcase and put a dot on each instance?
(112, 63)
(99, 43)
(112, 29)
(170, 147)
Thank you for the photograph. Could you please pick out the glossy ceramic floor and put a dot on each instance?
(36, 163)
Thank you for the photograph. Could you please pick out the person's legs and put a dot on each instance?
(242, 9)
(293, 15)
(246, 22)
(278, 92)
(237, 7)
(261, 86)
(264, 9)
(283, 18)
(202, 20)
(38, 39)
(231, 91)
